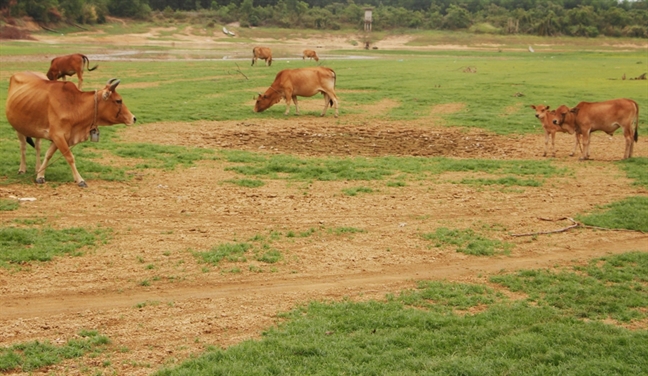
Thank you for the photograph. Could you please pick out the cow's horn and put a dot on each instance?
(114, 84)
(259, 93)
(110, 81)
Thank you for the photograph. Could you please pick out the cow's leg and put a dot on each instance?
(253, 60)
(546, 144)
(628, 135)
(327, 100)
(37, 145)
(576, 144)
(553, 144)
(586, 144)
(62, 145)
(40, 174)
(288, 95)
(23, 156)
(335, 103)
(294, 98)
(80, 76)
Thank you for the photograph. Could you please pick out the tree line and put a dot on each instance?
(588, 18)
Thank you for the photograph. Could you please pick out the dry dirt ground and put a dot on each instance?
(158, 217)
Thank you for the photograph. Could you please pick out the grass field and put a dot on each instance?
(583, 317)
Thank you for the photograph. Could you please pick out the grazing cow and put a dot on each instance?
(69, 65)
(607, 116)
(546, 117)
(263, 53)
(305, 82)
(310, 54)
(60, 112)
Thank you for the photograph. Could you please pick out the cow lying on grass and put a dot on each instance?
(607, 116)
(546, 118)
(303, 82)
(60, 112)
(69, 65)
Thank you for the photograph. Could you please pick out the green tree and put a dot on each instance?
(457, 18)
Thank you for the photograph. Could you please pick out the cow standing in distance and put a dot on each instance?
(546, 118)
(303, 82)
(607, 116)
(310, 54)
(263, 53)
(60, 112)
(69, 65)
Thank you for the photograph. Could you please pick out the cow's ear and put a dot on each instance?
(574, 110)
(534, 107)
(547, 108)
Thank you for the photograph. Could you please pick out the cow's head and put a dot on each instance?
(52, 74)
(540, 110)
(110, 106)
(562, 112)
(267, 100)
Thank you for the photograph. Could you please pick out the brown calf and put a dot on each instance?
(263, 53)
(305, 82)
(60, 112)
(546, 117)
(310, 54)
(69, 65)
(607, 116)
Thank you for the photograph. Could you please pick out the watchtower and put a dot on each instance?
(368, 18)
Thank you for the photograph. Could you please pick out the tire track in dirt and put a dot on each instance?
(34, 305)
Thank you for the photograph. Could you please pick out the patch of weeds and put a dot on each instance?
(247, 183)
(637, 169)
(152, 303)
(7, 204)
(507, 181)
(22, 245)
(234, 270)
(30, 221)
(255, 269)
(396, 183)
(231, 251)
(270, 257)
(307, 233)
(31, 356)
(345, 230)
(444, 296)
(608, 287)
(630, 213)
(355, 190)
(145, 283)
(468, 242)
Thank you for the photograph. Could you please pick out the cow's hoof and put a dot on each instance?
(21, 172)
(82, 184)
(40, 181)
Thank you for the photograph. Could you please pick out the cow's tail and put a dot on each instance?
(30, 142)
(86, 61)
(334, 82)
(636, 134)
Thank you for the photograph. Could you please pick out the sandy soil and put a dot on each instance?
(159, 217)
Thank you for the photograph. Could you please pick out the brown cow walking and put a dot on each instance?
(263, 53)
(303, 82)
(607, 116)
(69, 65)
(60, 112)
(546, 118)
(310, 54)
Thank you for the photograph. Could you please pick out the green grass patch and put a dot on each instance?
(345, 230)
(355, 190)
(247, 183)
(443, 328)
(31, 356)
(359, 168)
(7, 204)
(630, 213)
(468, 242)
(270, 257)
(233, 252)
(637, 169)
(609, 287)
(23, 245)
(507, 181)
